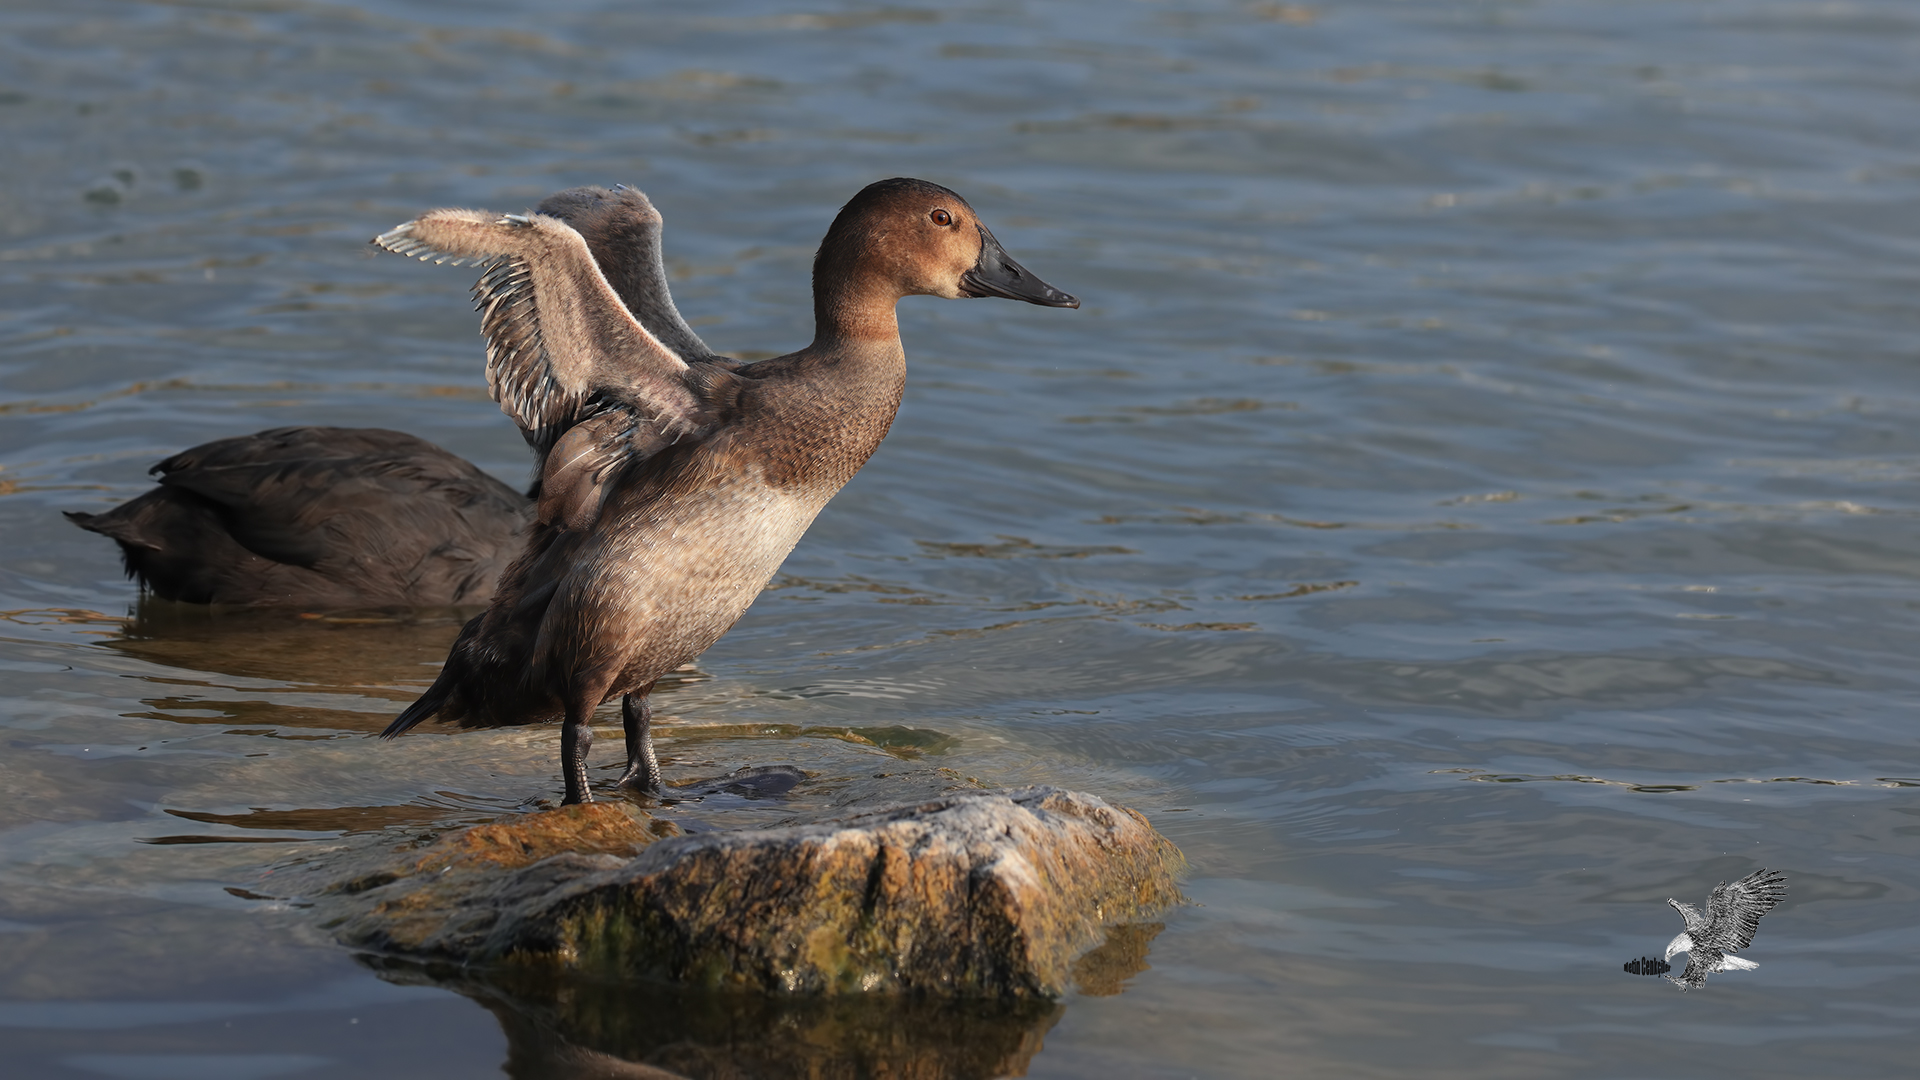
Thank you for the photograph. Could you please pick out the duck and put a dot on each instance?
(680, 487)
(318, 517)
(335, 517)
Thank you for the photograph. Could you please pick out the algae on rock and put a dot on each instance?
(971, 894)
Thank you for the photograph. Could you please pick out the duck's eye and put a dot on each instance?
(941, 218)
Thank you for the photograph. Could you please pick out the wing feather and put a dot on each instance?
(1695, 921)
(579, 469)
(1734, 909)
(557, 334)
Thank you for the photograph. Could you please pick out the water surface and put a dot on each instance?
(1475, 504)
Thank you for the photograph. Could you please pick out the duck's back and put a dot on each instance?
(316, 516)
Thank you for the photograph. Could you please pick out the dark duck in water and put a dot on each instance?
(317, 517)
(667, 507)
(328, 517)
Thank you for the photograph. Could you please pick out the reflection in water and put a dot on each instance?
(1104, 971)
(361, 650)
(382, 652)
(559, 1029)
(562, 1028)
(333, 819)
(377, 655)
(442, 809)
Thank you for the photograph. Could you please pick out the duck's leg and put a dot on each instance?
(576, 739)
(643, 769)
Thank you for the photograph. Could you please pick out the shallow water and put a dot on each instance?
(1474, 505)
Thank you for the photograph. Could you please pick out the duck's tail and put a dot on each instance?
(429, 703)
(110, 524)
(442, 689)
(146, 527)
(119, 527)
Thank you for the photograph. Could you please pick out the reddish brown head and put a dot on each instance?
(905, 237)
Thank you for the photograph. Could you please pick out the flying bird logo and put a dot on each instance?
(1733, 914)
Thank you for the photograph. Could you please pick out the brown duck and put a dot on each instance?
(325, 517)
(670, 503)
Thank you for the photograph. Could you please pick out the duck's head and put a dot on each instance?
(912, 238)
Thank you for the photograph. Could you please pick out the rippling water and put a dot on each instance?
(1475, 504)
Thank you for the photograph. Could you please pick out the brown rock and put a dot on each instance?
(446, 895)
(970, 894)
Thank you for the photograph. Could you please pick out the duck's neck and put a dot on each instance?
(855, 315)
(858, 348)
(856, 372)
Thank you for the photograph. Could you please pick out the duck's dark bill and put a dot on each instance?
(996, 274)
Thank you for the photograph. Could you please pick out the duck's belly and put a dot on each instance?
(669, 578)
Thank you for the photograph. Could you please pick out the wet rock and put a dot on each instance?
(971, 894)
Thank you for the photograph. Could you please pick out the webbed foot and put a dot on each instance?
(643, 768)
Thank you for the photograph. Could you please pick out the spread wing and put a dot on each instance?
(1734, 910)
(557, 334)
(622, 230)
(1695, 921)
